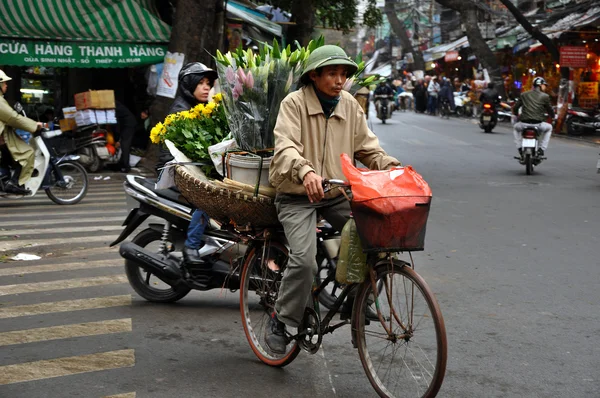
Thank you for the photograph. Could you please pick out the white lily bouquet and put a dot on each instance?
(255, 84)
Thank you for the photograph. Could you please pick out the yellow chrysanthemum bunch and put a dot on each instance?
(194, 130)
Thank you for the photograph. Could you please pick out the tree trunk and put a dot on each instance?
(197, 32)
(481, 49)
(303, 16)
(468, 17)
(400, 31)
(554, 52)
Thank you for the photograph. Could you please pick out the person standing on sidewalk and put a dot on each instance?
(315, 125)
(127, 124)
(432, 92)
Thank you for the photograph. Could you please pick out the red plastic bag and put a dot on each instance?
(390, 207)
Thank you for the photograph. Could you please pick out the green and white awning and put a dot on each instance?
(81, 33)
(131, 21)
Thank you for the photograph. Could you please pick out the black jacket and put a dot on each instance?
(490, 96)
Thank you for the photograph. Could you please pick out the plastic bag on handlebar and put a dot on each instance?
(390, 207)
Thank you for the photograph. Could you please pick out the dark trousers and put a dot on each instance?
(126, 138)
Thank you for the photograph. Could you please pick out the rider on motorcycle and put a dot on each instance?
(195, 82)
(16, 153)
(308, 146)
(383, 89)
(490, 96)
(535, 104)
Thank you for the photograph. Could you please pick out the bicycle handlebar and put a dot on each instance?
(329, 184)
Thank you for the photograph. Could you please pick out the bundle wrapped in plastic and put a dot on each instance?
(352, 263)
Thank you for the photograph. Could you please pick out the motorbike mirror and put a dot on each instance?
(18, 107)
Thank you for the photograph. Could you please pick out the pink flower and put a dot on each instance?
(249, 80)
(238, 90)
(230, 75)
(348, 85)
(241, 75)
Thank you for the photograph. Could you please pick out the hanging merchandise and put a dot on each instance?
(167, 85)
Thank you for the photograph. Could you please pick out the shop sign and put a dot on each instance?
(588, 91)
(167, 84)
(451, 56)
(79, 54)
(573, 56)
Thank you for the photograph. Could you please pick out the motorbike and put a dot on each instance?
(488, 117)
(384, 109)
(504, 111)
(445, 109)
(63, 179)
(153, 261)
(462, 104)
(581, 121)
(529, 149)
(95, 154)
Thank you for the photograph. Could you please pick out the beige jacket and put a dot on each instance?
(20, 151)
(306, 141)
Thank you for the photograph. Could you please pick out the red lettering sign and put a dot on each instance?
(573, 56)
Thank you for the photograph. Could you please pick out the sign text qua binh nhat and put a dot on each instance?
(79, 54)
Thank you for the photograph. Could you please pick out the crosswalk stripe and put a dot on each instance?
(48, 216)
(34, 269)
(66, 366)
(61, 284)
(126, 395)
(48, 203)
(74, 230)
(78, 220)
(65, 331)
(29, 243)
(64, 306)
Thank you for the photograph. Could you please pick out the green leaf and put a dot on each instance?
(275, 52)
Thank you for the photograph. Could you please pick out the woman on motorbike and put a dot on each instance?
(12, 145)
(195, 82)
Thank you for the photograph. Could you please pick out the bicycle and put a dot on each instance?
(409, 323)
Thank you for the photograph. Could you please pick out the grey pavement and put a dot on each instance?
(512, 259)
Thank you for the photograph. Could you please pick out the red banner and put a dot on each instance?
(451, 56)
(573, 56)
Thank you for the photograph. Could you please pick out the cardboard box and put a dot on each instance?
(85, 117)
(67, 124)
(69, 112)
(100, 99)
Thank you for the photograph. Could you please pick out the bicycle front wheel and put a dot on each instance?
(404, 353)
(259, 287)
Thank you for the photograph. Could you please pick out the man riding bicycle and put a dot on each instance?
(535, 105)
(315, 125)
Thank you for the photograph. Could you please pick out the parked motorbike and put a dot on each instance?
(95, 154)
(153, 261)
(504, 111)
(581, 121)
(462, 104)
(383, 106)
(529, 149)
(63, 179)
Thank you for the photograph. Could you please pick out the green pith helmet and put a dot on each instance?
(327, 55)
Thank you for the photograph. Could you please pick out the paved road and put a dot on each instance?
(511, 257)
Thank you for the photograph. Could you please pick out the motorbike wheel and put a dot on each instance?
(572, 129)
(95, 163)
(145, 283)
(460, 112)
(528, 164)
(72, 188)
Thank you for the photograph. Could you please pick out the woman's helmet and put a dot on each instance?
(538, 81)
(198, 69)
(4, 77)
(190, 76)
(324, 56)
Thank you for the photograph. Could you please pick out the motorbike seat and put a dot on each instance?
(172, 194)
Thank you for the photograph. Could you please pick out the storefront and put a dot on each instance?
(56, 49)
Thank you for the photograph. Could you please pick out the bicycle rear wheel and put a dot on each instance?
(404, 354)
(259, 288)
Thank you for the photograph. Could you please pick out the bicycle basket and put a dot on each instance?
(390, 207)
(400, 229)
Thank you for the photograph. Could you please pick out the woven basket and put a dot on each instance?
(225, 205)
